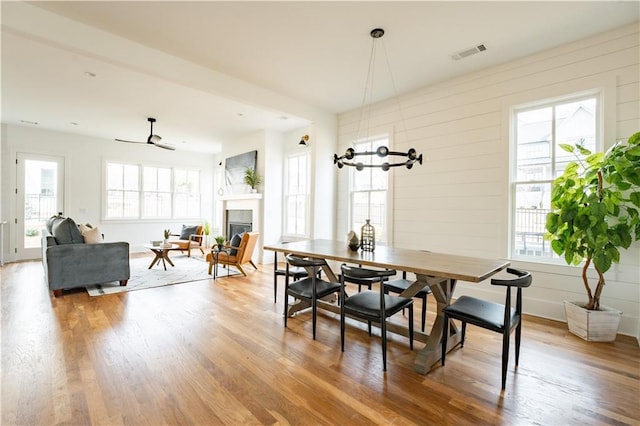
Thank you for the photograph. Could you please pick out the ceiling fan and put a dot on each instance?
(152, 139)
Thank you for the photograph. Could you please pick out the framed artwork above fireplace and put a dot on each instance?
(234, 168)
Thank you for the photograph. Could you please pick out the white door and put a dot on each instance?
(40, 195)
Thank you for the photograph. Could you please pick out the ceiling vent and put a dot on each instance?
(468, 52)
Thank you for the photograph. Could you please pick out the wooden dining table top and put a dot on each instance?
(465, 268)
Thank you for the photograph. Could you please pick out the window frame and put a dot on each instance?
(306, 194)
(374, 141)
(514, 182)
(141, 215)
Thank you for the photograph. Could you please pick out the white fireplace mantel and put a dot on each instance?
(247, 196)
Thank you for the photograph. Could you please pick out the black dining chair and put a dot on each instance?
(401, 284)
(371, 305)
(310, 288)
(491, 316)
(280, 272)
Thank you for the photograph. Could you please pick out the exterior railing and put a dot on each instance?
(530, 229)
(39, 207)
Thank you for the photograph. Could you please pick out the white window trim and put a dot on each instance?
(389, 135)
(307, 197)
(141, 191)
(605, 85)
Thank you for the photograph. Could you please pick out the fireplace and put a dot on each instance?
(239, 221)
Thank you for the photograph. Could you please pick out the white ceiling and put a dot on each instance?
(212, 71)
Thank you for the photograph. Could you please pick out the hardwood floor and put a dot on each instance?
(217, 353)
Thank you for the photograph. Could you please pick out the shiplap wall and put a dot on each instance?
(458, 200)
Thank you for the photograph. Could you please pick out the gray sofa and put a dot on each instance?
(70, 263)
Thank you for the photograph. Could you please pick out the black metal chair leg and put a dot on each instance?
(505, 356)
(424, 311)
(411, 327)
(445, 335)
(518, 336)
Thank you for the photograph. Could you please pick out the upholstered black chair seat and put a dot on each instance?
(401, 284)
(367, 304)
(480, 312)
(372, 306)
(303, 288)
(310, 288)
(491, 316)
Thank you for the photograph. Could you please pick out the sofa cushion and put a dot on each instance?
(91, 235)
(66, 232)
(187, 231)
(52, 220)
(235, 242)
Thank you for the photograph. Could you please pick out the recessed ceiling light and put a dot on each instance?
(89, 74)
(34, 123)
(284, 117)
(73, 123)
(240, 114)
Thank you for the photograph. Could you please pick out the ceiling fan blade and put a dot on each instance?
(124, 140)
(169, 147)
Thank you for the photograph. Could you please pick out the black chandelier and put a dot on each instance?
(382, 151)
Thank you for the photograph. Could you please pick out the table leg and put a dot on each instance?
(166, 256)
(442, 290)
(155, 259)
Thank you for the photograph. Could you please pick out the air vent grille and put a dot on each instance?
(468, 52)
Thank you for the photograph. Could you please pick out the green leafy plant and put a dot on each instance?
(167, 233)
(595, 209)
(220, 239)
(206, 227)
(252, 178)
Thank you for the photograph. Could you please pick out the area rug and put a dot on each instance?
(186, 269)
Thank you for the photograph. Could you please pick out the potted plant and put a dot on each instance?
(220, 241)
(167, 234)
(206, 230)
(595, 212)
(252, 178)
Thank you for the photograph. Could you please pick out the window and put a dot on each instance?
(368, 191)
(123, 191)
(296, 195)
(538, 160)
(156, 184)
(186, 196)
(146, 192)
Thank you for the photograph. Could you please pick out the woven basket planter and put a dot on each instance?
(592, 326)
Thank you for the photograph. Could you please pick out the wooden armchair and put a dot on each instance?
(242, 256)
(191, 237)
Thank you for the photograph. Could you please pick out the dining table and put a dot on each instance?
(439, 271)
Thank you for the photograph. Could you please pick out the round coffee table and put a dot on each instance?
(162, 253)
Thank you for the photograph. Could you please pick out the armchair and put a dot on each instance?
(191, 237)
(243, 253)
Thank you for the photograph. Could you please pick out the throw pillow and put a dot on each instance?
(188, 231)
(84, 228)
(235, 242)
(92, 235)
(66, 232)
(52, 220)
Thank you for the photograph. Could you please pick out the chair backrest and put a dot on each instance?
(524, 279)
(304, 262)
(363, 273)
(248, 243)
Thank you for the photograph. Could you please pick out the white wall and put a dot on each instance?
(457, 201)
(84, 167)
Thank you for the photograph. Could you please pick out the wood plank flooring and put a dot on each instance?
(217, 353)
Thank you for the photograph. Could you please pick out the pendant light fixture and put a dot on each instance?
(349, 157)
